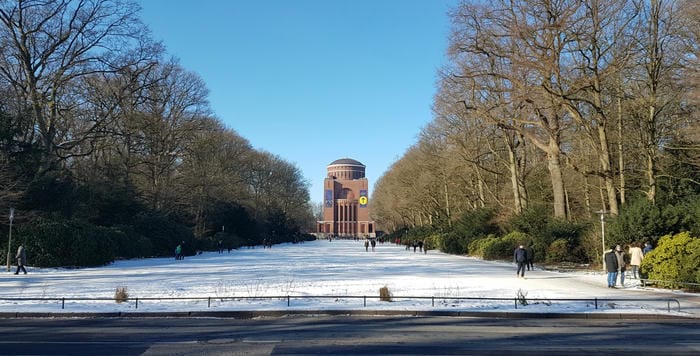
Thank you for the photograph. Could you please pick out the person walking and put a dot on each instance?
(610, 260)
(530, 253)
(21, 259)
(621, 265)
(366, 245)
(520, 258)
(178, 252)
(636, 256)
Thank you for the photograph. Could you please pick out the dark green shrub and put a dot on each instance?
(532, 221)
(563, 230)
(67, 243)
(558, 251)
(431, 242)
(675, 259)
(476, 247)
(164, 234)
(453, 243)
(639, 220)
(470, 226)
(502, 248)
(130, 244)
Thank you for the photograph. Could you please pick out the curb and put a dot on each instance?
(403, 313)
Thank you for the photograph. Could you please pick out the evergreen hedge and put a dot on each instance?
(675, 259)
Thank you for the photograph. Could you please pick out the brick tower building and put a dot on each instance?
(345, 201)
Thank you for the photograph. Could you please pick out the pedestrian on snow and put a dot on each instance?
(220, 244)
(520, 258)
(610, 260)
(420, 246)
(178, 252)
(647, 247)
(21, 259)
(636, 256)
(374, 243)
(530, 253)
(425, 246)
(621, 265)
(366, 245)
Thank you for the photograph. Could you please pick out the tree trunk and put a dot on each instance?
(607, 170)
(621, 149)
(557, 178)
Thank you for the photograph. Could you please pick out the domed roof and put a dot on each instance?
(349, 161)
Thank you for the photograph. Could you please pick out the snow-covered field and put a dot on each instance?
(341, 271)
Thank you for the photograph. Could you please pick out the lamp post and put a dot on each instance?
(9, 242)
(602, 233)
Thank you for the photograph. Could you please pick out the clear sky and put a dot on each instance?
(313, 80)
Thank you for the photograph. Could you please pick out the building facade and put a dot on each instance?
(346, 201)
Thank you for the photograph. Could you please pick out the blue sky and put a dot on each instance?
(313, 80)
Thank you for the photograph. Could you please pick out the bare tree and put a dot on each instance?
(512, 50)
(47, 46)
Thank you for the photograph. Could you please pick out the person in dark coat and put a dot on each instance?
(530, 257)
(21, 259)
(520, 258)
(611, 266)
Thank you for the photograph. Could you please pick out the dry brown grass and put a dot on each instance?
(121, 295)
(384, 294)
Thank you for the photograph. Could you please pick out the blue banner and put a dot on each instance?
(329, 198)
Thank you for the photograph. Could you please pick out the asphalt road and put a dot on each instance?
(347, 335)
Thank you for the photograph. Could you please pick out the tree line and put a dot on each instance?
(110, 148)
(549, 114)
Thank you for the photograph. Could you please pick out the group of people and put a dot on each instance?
(421, 245)
(616, 262)
(523, 258)
(369, 242)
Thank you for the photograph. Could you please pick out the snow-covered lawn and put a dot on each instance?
(338, 271)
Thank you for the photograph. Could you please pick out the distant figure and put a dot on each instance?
(425, 246)
(530, 258)
(621, 265)
(374, 243)
(420, 246)
(520, 258)
(647, 247)
(178, 252)
(610, 260)
(636, 256)
(21, 259)
(221, 246)
(366, 245)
